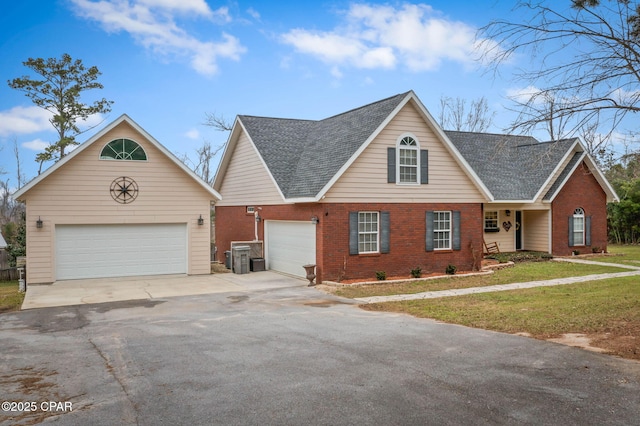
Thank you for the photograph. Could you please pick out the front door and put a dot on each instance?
(519, 230)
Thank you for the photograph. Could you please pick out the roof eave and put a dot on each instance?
(466, 167)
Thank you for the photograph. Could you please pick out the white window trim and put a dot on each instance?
(377, 232)
(436, 231)
(122, 159)
(398, 165)
(497, 219)
(579, 214)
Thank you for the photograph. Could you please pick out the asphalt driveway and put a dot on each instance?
(291, 355)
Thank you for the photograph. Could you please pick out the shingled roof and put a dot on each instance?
(304, 155)
(514, 168)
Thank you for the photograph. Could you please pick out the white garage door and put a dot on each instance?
(96, 251)
(289, 245)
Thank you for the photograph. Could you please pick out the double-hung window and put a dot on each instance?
(368, 232)
(491, 221)
(442, 230)
(408, 160)
(578, 227)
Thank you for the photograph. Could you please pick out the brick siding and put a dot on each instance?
(407, 237)
(581, 190)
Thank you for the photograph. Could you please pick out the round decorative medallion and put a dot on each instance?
(124, 190)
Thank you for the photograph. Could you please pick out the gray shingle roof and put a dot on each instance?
(303, 155)
(512, 167)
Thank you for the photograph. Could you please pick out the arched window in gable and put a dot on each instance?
(123, 149)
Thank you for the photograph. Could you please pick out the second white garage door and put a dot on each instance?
(289, 245)
(97, 251)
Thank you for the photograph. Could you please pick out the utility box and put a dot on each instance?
(227, 259)
(257, 264)
(240, 257)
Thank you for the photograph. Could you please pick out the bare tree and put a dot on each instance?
(218, 122)
(19, 175)
(454, 114)
(585, 59)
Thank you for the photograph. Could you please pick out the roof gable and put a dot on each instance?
(82, 147)
(305, 157)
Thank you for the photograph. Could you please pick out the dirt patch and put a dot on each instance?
(219, 268)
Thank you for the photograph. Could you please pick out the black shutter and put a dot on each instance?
(353, 232)
(587, 230)
(424, 166)
(570, 231)
(391, 165)
(385, 230)
(429, 236)
(456, 231)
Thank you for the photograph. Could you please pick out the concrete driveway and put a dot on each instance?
(80, 292)
(292, 355)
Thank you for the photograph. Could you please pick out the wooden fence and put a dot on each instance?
(10, 274)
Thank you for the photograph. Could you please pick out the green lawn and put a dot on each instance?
(521, 272)
(606, 311)
(10, 298)
(592, 307)
(625, 255)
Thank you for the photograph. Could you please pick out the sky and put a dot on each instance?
(167, 63)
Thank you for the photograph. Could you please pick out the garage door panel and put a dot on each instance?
(92, 251)
(290, 245)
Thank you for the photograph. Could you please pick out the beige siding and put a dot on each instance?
(506, 239)
(536, 230)
(246, 180)
(366, 179)
(78, 193)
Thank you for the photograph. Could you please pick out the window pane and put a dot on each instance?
(442, 230)
(367, 232)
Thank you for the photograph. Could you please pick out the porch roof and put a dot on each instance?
(514, 168)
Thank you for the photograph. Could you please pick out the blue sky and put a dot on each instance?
(166, 63)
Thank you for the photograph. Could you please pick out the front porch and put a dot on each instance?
(517, 227)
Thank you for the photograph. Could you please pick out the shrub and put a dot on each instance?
(381, 275)
(416, 272)
(451, 269)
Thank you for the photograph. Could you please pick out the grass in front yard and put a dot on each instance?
(626, 255)
(10, 298)
(521, 272)
(608, 311)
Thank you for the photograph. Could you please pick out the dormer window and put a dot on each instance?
(123, 149)
(407, 164)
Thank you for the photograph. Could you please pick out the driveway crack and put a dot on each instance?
(131, 415)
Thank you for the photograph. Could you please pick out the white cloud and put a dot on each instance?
(151, 23)
(24, 120)
(193, 134)
(196, 6)
(524, 94)
(376, 36)
(36, 145)
(253, 13)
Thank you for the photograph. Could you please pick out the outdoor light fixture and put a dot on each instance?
(200, 220)
(315, 220)
(39, 223)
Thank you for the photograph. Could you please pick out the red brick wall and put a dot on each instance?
(581, 190)
(407, 237)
